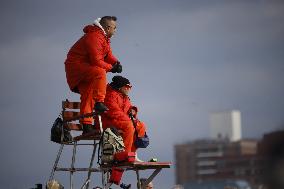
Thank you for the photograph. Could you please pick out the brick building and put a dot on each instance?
(204, 160)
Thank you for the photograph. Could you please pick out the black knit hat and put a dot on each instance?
(119, 81)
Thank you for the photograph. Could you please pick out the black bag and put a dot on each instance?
(140, 142)
(58, 133)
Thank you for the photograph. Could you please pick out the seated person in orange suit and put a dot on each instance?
(118, 102)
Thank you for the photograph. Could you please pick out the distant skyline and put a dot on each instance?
(185, 59)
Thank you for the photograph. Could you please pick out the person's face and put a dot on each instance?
(133, 112)
(125, 89)
(149, 186)
(110, 28)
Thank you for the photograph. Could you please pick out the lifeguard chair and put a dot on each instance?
(70, 117)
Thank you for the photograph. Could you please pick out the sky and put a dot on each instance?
(184, 58)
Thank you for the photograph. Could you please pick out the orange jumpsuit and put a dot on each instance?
(117, 116)
(86, 65)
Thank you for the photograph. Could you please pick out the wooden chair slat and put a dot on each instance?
(70, 105)
(95, 135)
(67, 115)
(73, 126)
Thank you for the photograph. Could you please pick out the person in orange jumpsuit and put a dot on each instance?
(119, 104)
(86, 65)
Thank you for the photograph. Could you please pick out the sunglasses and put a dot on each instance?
(128, 86)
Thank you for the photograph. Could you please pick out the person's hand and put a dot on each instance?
(130, 114)
(116, 68)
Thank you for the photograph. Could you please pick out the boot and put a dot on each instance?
(87, 128)
(124, 186)
(100, 107)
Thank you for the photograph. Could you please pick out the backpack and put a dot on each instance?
(59, 134)
(111, 142)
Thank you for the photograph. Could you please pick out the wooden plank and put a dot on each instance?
(140, 165)
(68, 115)
(95, 135)
(148, 165)
(73, 126)
(70, 105)
(151, 165)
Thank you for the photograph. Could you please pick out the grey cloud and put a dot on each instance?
(184, 58)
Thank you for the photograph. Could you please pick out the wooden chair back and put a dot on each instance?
(71, 115)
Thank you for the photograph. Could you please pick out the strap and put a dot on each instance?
(134, 124)
(99, 150)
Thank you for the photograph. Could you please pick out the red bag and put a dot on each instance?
(125, 157)
(116, 174)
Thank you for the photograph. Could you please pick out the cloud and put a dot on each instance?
(185, 60)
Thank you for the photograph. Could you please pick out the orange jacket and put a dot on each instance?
(118, 105)
(92, 48)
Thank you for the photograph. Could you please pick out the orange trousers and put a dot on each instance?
(128, 130)
(92, 88)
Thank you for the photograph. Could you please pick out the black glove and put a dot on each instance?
(116, 68)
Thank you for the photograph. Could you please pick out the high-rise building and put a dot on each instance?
(205, 160)
(226, 125)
